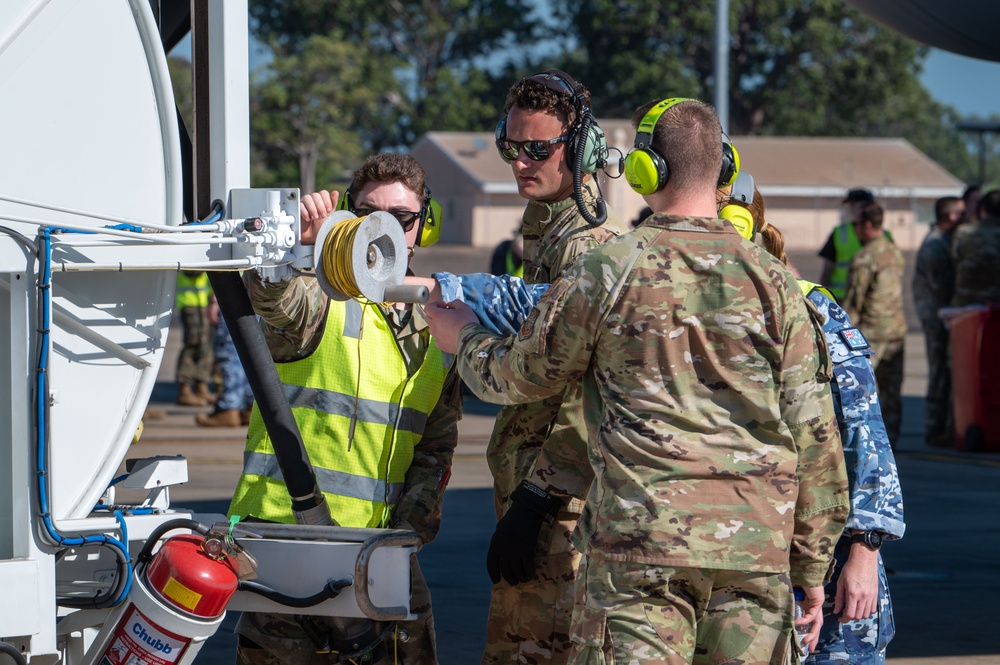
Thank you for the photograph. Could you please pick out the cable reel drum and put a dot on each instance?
(366, 258)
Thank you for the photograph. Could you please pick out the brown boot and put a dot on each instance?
(204, 393)
(245, 416)
(187, 397)
(227, 418)
(154, 413)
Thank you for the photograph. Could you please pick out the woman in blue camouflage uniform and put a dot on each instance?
(857, 613)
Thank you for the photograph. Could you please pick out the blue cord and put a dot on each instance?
(41, 416)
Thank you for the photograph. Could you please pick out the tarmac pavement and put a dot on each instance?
(944, 571)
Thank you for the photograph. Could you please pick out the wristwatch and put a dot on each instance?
(872, 539)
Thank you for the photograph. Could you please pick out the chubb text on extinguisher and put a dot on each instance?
(153, 642)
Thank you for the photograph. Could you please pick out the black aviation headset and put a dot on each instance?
(587, 146)
(428, 221)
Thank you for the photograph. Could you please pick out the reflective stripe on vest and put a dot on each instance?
(362, 477)
(192, 291)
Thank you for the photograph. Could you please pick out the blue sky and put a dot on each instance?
(968, 84)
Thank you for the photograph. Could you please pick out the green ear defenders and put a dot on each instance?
(736, 210)
(646, 170)
(595, 150)
(429, 222)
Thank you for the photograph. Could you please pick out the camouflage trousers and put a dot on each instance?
(529, 623)
(887, 361)
(861, 642)
(282, 639)
(938, 418)
(658, 615)
(195, 361)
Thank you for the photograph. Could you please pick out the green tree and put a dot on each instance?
(797, 67)
(307, 108)
(441, 80)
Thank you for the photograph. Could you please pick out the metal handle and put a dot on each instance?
(406, 293)
(369, 608)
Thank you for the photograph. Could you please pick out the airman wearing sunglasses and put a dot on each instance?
(375, 471)
(538, 450)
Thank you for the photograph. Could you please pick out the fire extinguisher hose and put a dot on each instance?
(332, 589)
(154, 537)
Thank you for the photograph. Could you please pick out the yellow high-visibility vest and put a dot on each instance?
(193, 290)
(360, 413)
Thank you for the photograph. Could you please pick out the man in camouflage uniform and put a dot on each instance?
(976, 252)
(720, 481)
(532, 562)
(874, 302)
(296, 317)
(933, 286)
(194, 363)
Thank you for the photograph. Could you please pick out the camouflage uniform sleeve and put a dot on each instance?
(859, 280)
(553, 347)
(560, 466)
(502, 303)
(292, 314)
(419, 509)
(936, 262)
(876, 497)
(822, 506)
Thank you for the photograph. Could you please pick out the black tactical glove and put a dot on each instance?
(512, 548)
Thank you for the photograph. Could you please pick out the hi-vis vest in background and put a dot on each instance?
(846, 245)
(356, 382)
(193, 290)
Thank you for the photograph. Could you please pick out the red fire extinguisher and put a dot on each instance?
(176, 603)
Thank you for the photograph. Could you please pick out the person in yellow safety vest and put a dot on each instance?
(377, 404)
(194, 365)
(843, 243)
(508, 257)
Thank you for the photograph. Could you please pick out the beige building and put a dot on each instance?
(803, 181)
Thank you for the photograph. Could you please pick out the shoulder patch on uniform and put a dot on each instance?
(853, 338)
(528, 326)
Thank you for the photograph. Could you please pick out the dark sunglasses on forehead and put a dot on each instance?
(536, 151)
(405, 217)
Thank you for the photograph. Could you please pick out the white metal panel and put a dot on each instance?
(88, 123)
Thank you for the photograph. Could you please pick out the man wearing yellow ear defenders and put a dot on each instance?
(718, 480)
(350, 368)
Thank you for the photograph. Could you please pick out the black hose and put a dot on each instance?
(13, 652)
(154, 537)
(289, 450)
(583, 131)
(332, 589)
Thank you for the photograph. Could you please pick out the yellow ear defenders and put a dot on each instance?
(646, 170)
(429, 222)
(736, 210)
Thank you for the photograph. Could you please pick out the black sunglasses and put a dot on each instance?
(405, 217)
(536, 151)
